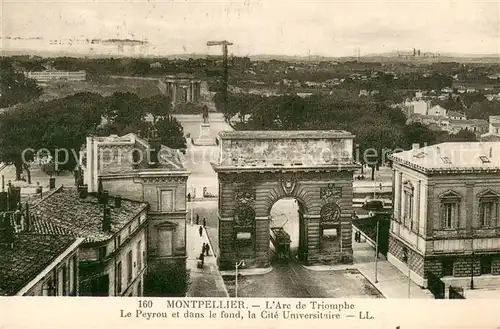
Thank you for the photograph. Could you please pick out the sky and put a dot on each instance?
(272, 27)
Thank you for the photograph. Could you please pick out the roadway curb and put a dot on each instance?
(249, 272)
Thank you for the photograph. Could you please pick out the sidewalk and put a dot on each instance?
(207, 281)
(392, 283)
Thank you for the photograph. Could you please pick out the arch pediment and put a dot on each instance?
(450, 194)
(488, 193)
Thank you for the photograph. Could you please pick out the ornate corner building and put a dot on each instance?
(258, 168)
(121, 165)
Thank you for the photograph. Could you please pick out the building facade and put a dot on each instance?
(446, 214)
(36, 264)
(123, 166)
(181, 88)
(53, 75)
(112, 259)
(258, 168)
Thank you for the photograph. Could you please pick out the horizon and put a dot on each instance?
(257, 28)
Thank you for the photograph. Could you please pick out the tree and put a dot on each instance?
(171, 133)
(15, 88)
(158, 106)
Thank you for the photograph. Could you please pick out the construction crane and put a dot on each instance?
(225, 78)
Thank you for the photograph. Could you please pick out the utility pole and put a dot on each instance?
(225, 78)
(376, 252)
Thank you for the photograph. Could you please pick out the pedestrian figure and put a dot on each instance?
(203, 248)
(201, 231)
(197, 219)
(204, 222)
(189, 197)
(201, 259)
(207, 249)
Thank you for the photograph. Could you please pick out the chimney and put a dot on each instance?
(491, 152)
(3, 201)
(27, 218)
(6, 232)
(106, 219)
(438, 150)
(52, 183)
(415, 146)
(118, 201)
(104, 198)
(83, 191)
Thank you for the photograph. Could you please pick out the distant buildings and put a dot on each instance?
(446, 214)
(493, 133)
(54, 75)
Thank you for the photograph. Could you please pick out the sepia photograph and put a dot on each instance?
(257, 148)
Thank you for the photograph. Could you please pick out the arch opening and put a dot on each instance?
(287, 230)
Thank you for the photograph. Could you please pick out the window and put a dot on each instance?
(408, 205)
(167, 201)
(129, 266)
(101, 253)
(139, 255)
(64, 279)
(119, 277)
(447, 265)
(449, 214)
(450, 210)
(405, 255)
(488, 208)
(486, 265)
(74, 276)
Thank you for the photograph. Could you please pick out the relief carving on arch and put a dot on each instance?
(330, 192)
(245, 195)
(288, 184)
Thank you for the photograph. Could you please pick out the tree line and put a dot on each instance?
(64, 124)
(376, 125)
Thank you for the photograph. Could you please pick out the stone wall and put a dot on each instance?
(414, 260)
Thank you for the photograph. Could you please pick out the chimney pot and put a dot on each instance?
(415, 146)
(104, 197)
(118, 201)
(106, 219)
(491, 152)
(83, 191)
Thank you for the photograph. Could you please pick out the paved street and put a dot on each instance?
(293, 281)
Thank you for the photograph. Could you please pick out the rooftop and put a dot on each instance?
(285, 134)
(64, 212)
(31, 254)
(452, 157)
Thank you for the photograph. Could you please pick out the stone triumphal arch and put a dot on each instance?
(257, 168)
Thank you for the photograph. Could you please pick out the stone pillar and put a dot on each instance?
(188, 93)
(312, 230)
(174, 93)
(226, 256)
(399, 187)
(469, 206)
(262, 242)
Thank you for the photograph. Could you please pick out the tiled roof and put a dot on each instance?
(31, 254)
(452, 157)
(285, 134)
(64, 212)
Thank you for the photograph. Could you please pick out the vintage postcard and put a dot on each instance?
(268, 161)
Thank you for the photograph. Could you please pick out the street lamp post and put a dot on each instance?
(376, 252)
(472, 266)
(236, 266)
